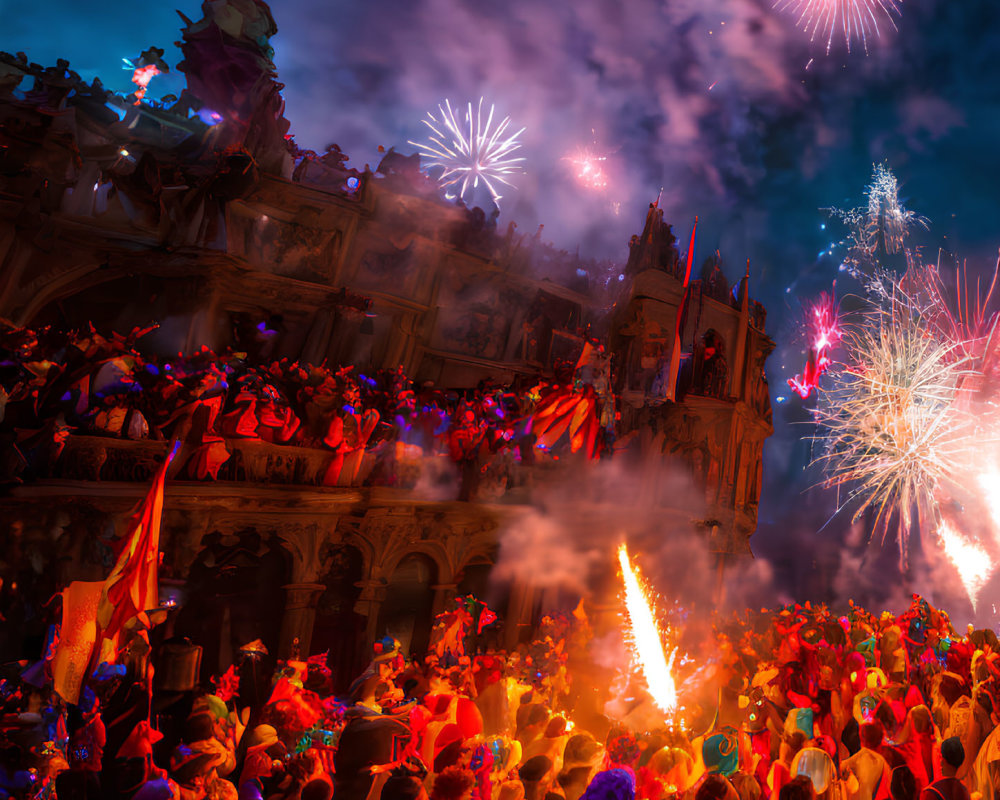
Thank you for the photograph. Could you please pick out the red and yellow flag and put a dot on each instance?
(132, 586)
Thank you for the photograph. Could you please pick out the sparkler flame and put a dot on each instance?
(647, 641)
(858, 19)
(472, 151)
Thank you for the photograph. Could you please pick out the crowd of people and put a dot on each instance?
(54, 383)
(809, 705)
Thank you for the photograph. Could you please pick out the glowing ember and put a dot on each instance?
(472, 151)
(858, 19)
(824, 335)
(647, 641)
(972, 561)
(141, 78)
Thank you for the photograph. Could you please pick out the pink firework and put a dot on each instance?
(141, 78)
(857, 19)
(588, 168)
(824, 334)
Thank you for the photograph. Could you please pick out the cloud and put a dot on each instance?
(668, 87)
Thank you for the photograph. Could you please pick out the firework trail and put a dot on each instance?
(858, 19)
(822, 321)
(471, 151)
(970, 559)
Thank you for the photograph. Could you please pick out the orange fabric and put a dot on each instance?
(132, 585)
(76, 637)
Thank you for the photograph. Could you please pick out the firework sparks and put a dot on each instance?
(894, 432)
(824, 335)
(588, 168)
(141, 78)
(647, 640)
(970, 560)
(878, 228)
(471, 151)
(857, 19)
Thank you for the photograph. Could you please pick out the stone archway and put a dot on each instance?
(230, 593)
(338, 628)
(406, 612)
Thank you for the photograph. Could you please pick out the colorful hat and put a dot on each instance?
(385, 649)
(720, 752)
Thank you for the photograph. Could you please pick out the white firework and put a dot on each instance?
(858, 19)
(885, 211)
(472, 151)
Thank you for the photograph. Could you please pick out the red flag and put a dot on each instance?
(132, 587)
(675, 354)
(486, 617)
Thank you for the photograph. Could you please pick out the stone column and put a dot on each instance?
(369, 604)
(300, 614)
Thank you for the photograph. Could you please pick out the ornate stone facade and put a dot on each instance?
(232, 238)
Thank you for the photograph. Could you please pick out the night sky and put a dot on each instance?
(756, 156)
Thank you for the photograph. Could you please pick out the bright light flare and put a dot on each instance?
(471, 151)
(972, 562)
(588, 168)
(989, 486)
(823, 325)
(857, 19)
(141, 78)
(646, 639)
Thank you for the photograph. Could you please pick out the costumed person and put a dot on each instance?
(781, 770)
(264, 763)
(455, 783)
(372, 742)
(85, 750)
(581, 760)
(536, 774)
(715, 787)
(948, 787)
(869, 769)
(817, 765)
(915, 744)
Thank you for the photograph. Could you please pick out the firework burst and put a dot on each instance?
(471, 151)
(876, 229)
(588, 168)
(857, 19)
(894, 433)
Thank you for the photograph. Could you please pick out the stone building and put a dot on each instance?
(203, 217)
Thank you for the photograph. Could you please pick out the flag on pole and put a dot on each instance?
(132, 586)
(675, 354)
(94, 612)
